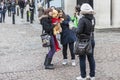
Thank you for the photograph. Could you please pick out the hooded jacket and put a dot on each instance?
(86, 25)
(46, 22)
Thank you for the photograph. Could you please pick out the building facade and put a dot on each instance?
(107, 11)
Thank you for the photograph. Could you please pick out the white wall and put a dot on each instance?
(56, 3)
(69, 6)
(116, 13)
(102, 9)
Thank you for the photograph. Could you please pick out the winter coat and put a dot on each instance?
(9, 5)
(21, 4)
(85, 26)
(31, 7)
(67, 35)
(13, 9)
(46, 23)
(3, 10)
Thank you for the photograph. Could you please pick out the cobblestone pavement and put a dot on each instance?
(22, 56)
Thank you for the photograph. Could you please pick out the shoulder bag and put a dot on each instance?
(45, 39)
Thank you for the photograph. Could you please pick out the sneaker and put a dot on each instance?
(73, 63)
(64, 62)
(80, 78)
(88, 77)
(92, 78)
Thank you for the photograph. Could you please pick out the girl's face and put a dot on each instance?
(50, 13)
(60, 14)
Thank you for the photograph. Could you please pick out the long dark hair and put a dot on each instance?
(63, 14)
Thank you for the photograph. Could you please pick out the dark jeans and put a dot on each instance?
(9, 12)
(71, 47)
(22, 12)
(91, 61)
(31, 16)
(17, 11)
(52, 48)
(28, 16)
(13, 18)
(3, 17)
(0, 17)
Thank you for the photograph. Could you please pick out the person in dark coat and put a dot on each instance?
(3, 11)
(13, 11)
(0, 13)
(21, 4)
(9, 7)
(86, 26)
(67, 38)
(31, 6)
(46, 22)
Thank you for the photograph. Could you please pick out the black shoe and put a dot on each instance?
(49, 67)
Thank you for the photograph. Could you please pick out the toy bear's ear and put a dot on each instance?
(55, 13)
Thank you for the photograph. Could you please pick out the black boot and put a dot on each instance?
(48, 64)
(45, 63)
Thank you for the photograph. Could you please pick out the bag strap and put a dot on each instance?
(43, 31)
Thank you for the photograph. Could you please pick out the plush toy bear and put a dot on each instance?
(57, 29)
(56, 21)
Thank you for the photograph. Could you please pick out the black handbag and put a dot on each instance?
(45, 39)
(83, 46)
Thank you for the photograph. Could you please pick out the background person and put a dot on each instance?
(21, 4)
(67, 38)
(9, 7)
(31, 6)
(28, 11)
(3, 11)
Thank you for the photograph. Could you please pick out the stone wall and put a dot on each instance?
(102, 9)
(69, 6)
(116, 13)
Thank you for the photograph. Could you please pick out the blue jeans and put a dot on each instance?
(91, 61)
(52, 48)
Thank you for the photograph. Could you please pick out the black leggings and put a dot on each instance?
(71, 47)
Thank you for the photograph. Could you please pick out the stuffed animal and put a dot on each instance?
(56, 21)
(57, 29)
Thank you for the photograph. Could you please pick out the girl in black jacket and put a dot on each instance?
(47, 25)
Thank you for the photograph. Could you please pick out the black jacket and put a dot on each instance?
(85, 25)
(32, 6)
(21, 4)
(47, 25)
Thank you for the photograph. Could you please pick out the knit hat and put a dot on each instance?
(86, 9)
